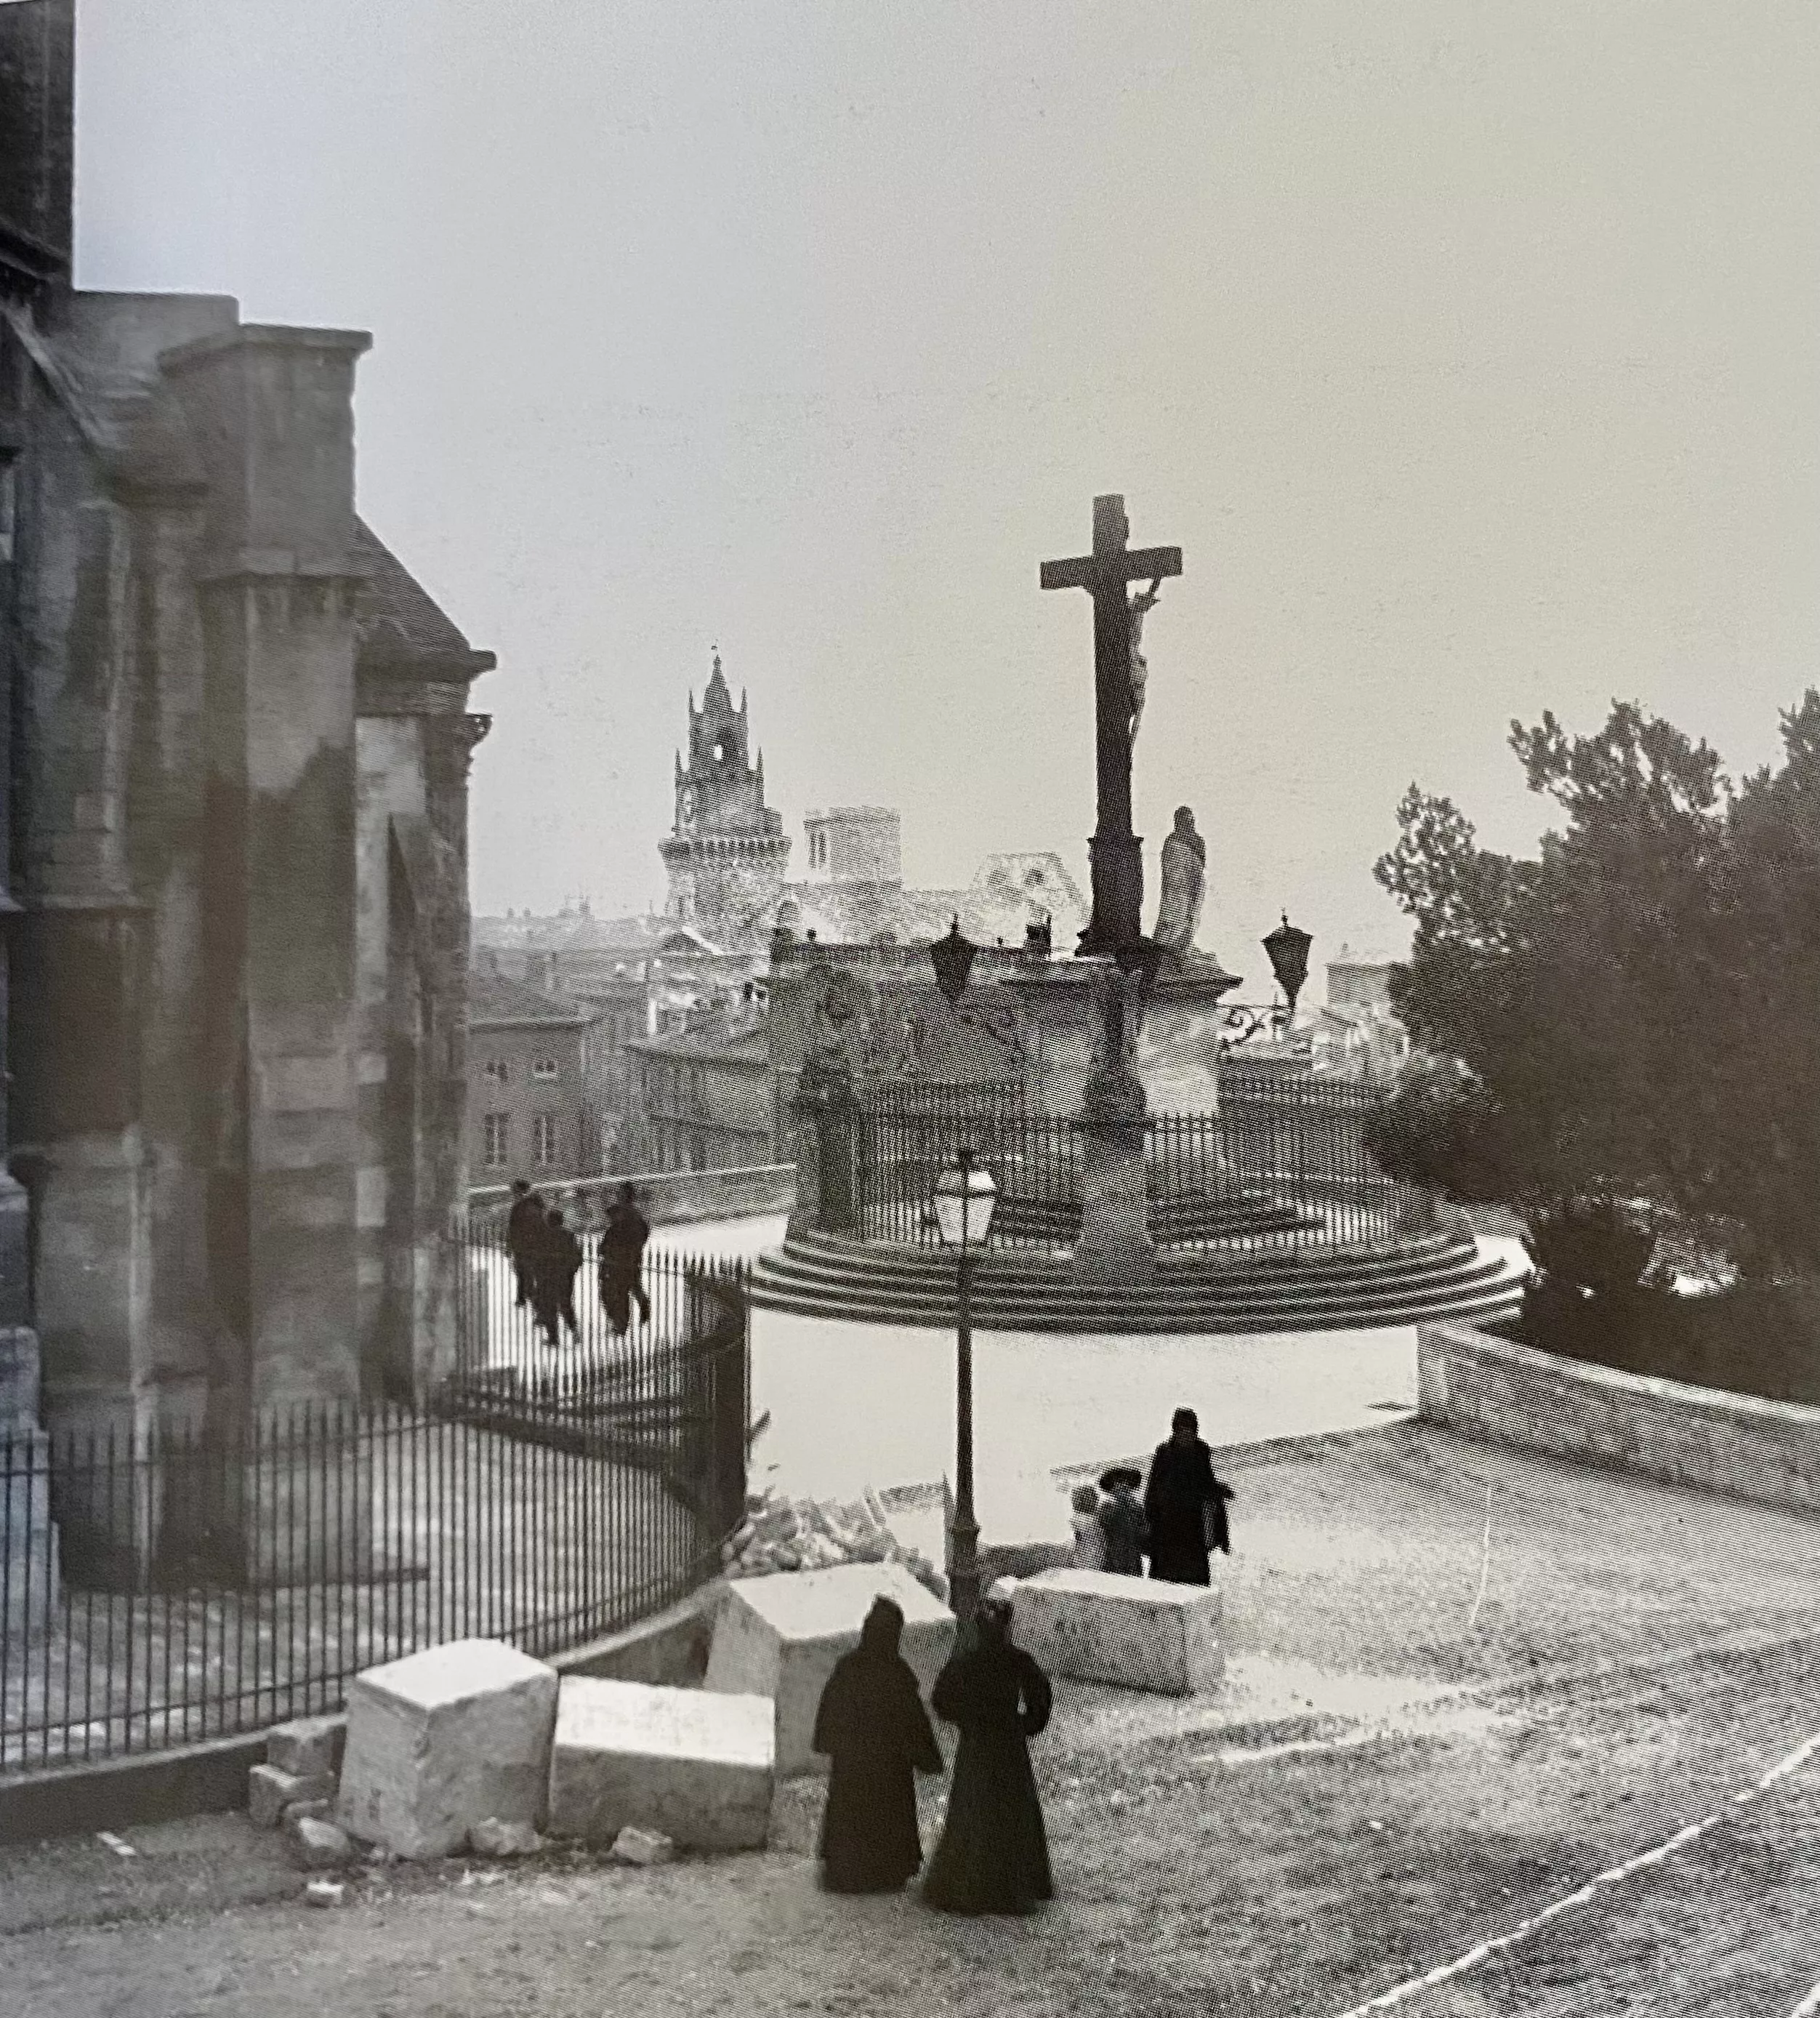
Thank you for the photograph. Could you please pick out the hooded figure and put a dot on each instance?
(1185, 1505)
(994, 1854)
(872, 1727)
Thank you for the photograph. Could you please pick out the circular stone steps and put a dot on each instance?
(821, 1274)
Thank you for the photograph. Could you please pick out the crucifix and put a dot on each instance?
(1117, 854)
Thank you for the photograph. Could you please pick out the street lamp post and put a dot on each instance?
(964, 1196)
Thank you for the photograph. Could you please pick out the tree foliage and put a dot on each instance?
(1632, 1016)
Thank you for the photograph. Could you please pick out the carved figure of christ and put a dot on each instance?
(1118, 862)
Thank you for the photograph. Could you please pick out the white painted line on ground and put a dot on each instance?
(1808, 2005)
(1500, 1943)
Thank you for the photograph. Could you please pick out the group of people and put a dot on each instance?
(993, 1854)
(1178, 1524)
(546, 1256)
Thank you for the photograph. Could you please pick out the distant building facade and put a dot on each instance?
(1358, 1034)
(530, 1104)
(705, 1097)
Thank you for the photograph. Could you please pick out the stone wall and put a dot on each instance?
(669, 1198)
(240, 830)
(1483, 1386)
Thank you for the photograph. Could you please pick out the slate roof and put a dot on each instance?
(495, 1003)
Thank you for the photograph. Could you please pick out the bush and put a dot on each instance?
(1755, 1339)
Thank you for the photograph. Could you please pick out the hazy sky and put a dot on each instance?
(1471, 353)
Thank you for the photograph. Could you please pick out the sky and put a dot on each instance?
(1469, 353)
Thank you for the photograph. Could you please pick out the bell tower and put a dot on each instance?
(726, 855)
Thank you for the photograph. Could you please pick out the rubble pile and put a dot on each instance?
(780, 1533)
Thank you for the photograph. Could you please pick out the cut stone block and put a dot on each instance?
(645, 1846)
(695, 1766)
(308, 1745)
(444, 1739)
(317, 1845)
(1098, 1626)
(780, 1635)
(269, 1792)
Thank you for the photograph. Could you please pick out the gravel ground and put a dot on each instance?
(1638, 1656)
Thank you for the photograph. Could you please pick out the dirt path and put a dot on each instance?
(1200, 1869)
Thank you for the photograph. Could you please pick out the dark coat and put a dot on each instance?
(994, 1854)
(1182, 1499)
(525, 1226)
(872, 1727)
(1128, 1534)
(623, 1239)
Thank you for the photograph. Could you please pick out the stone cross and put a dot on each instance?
(1117, 854)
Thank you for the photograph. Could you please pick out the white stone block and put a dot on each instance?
(441, 1740)
(1098, 1626)
(780, 1637)
(693, 1766)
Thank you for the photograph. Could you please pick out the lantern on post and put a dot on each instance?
(952, 958)
(1287, 947)
(964, 1196)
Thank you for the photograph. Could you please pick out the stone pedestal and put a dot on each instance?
(1114, 1245)
(779, 1637)
(443, 1739)
(1176, 1054)
(1096, 1626)
(694, 1765)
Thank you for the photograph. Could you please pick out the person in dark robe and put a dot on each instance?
(993, 1857)
(1122, 1522)
(871, 1726)
(524, 1232)
(559, 1263)
(1185, 1506)
(623, 1241)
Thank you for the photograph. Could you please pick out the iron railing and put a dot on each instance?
(1282, 1165)
(165, 1584)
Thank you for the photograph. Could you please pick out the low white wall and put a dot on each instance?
(1482, 1385)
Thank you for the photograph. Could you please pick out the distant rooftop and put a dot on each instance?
(495, 1003)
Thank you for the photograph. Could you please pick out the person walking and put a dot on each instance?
(872, 1726)
(1122, 1522)
(558, 1255)
(1185, 1506)
(524, 1230)
(993, 1857)
(623, 1241)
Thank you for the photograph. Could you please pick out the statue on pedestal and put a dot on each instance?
(1184, 886)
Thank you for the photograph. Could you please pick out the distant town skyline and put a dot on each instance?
(1467, 355)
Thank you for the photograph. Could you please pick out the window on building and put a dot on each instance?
(543, 1140)
(543, 1068)
(497, 1139)
(497, 1072)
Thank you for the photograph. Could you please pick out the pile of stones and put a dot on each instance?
(780, 1533)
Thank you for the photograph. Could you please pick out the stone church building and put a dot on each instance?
(237, 930)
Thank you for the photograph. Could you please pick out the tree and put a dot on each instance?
(1631, 1016)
